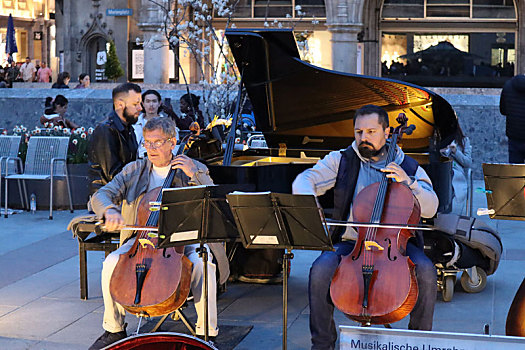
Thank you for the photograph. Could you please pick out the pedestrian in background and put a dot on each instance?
(12, 74)
(152, 107)
(512, 105)
(460, 152)
(191, 115)
(62, 81)
(44, 73)
(27, 71)
(83, 81)
(113, 143)
(55, 112)
(37, 67)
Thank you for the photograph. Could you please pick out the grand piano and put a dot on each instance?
(306, 111)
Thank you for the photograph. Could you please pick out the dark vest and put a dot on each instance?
(346, 182)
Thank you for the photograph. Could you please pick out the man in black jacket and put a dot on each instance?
(113, 143)
(512, 105)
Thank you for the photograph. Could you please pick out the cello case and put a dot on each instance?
(479, 241)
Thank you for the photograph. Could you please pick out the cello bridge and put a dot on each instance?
(370, 244)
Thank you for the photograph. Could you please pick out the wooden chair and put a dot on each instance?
(46, 159)
(89, 239)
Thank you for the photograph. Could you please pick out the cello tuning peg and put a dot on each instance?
(410, 129)
(154, 208)
(164, 208)
(152, 203)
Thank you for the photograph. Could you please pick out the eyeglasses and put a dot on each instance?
(154, 144)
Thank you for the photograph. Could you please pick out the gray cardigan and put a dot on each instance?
(128, 187)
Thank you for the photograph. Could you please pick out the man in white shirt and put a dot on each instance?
(27, 71)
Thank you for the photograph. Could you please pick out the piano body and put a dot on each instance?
(306, 111)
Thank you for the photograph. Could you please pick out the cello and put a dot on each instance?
(148, 281)
(515, 324)
(376, 283)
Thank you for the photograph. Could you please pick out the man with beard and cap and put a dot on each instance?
(113, 143)
(348, 171)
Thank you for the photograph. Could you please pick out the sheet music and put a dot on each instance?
(184, 236)
(185, 188)
(237, 193)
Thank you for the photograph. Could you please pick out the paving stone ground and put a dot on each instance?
(40, 306)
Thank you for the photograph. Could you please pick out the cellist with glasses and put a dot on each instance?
(349, 171)
(117, 202)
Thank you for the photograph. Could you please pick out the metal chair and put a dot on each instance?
(45, 160)
(9, 164)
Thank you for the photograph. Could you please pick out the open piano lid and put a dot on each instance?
(308, 107)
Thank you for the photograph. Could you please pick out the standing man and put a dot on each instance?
(27, 71)
(118, 201)
(113, 143)
(11, 74)
(44, 73)
(348, 172)
(512, 105)
(152, 103)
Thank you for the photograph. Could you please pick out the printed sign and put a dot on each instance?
(400, 339)
(101, 58)
(100, 74)
(137, 64)
(119, 12)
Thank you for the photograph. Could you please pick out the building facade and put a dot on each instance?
(34, 29)
(428, 42)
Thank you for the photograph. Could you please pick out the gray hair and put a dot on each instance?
(165, 124)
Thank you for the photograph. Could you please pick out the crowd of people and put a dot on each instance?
(37, 72)
(151, 105)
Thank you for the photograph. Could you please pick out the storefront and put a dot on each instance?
(449, 42)
(33, 27)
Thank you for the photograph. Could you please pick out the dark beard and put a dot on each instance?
(368, 152)
(130, 118)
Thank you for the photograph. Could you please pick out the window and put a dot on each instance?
(280, 9)
(429, 9)
(433, 59)
(449, 42)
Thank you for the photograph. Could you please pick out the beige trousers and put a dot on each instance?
(114, 313)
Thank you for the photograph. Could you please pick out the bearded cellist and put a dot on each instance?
(348, 171)
(117, 202)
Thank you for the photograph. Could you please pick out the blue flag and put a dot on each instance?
(10, 46)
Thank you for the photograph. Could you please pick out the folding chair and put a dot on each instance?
(45, 160)
(9, 161)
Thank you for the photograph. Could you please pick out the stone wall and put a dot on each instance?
(86, 107)
(480, 119)
(477, 110)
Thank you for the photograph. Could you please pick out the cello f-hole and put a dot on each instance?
(354, 258)
(390, 257)
(165, 254)
(134, 252)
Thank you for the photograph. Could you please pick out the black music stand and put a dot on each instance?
(280, 221)
(504, 187)
(197, 214)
